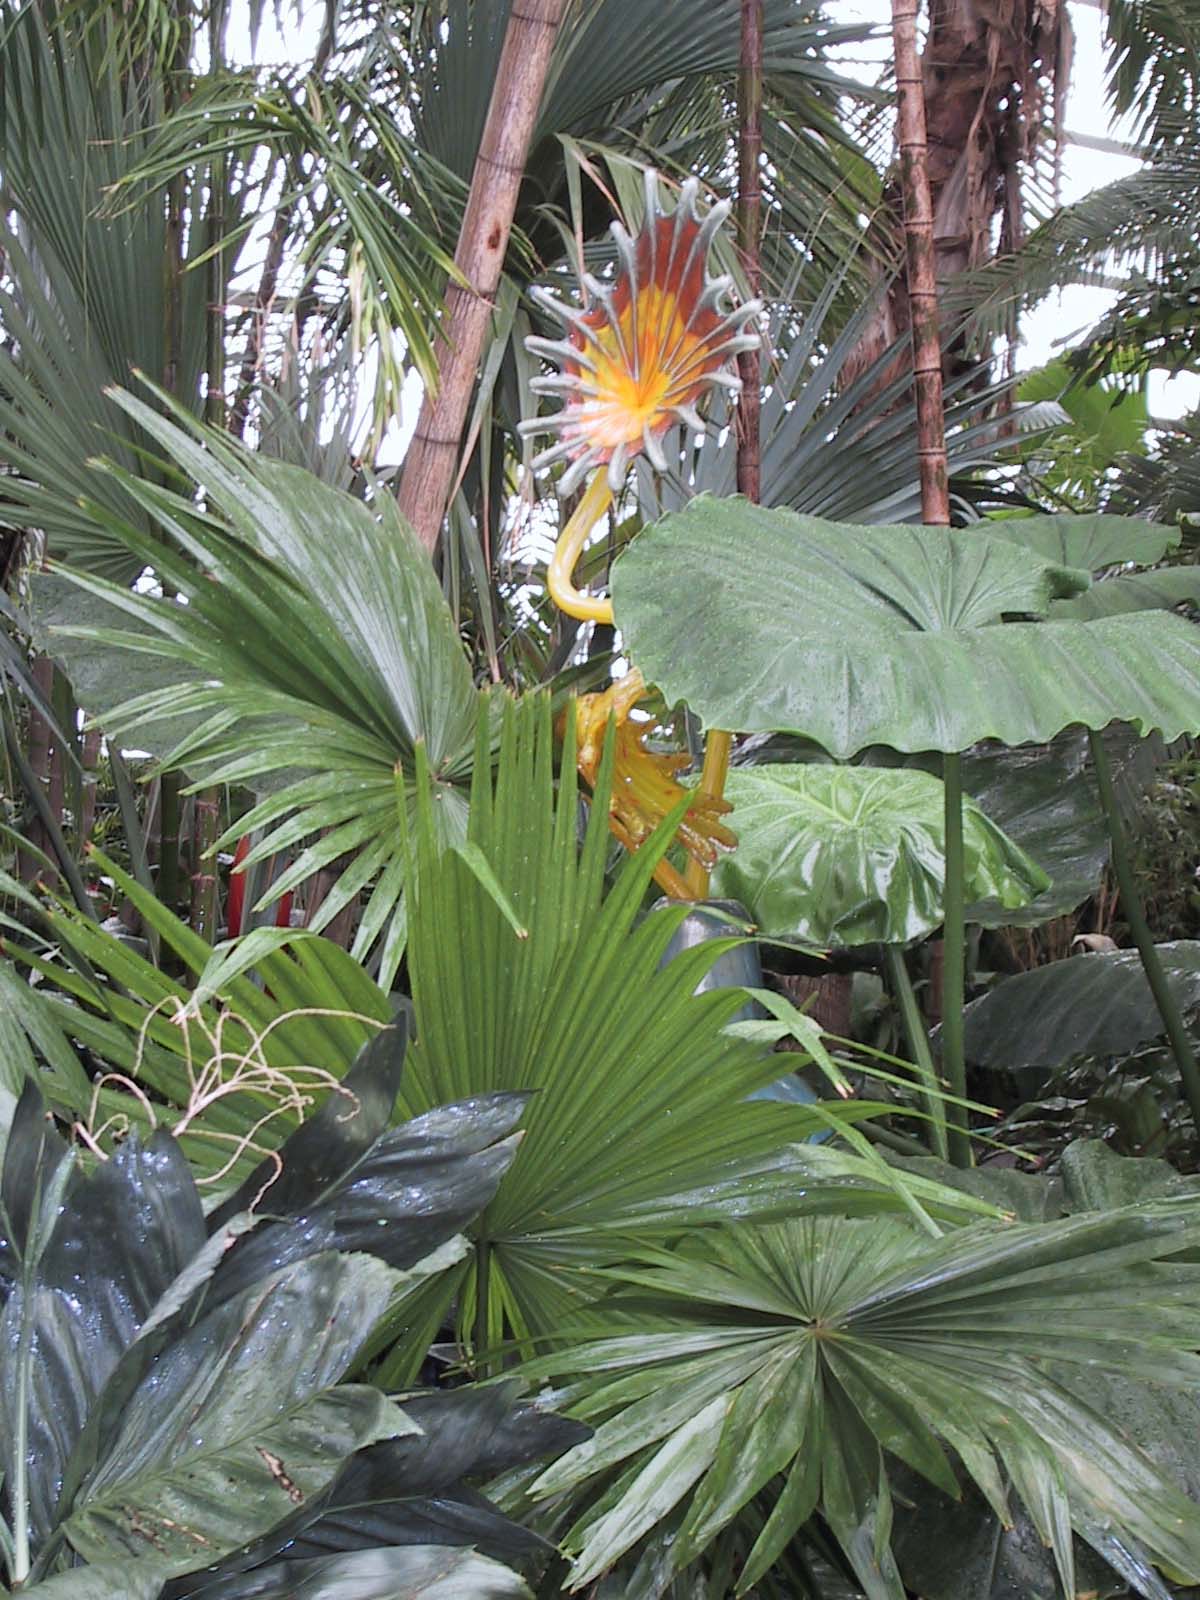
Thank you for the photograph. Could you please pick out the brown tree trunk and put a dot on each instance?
(922, 267)
(984, 77)
(483, 241)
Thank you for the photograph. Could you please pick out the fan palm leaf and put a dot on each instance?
(805, 1360)
(320, 651)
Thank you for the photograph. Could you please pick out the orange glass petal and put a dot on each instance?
(655, 341)
(644, 788)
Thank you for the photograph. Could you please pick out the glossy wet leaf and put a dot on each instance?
(948, 1549)
(859, 636)
(195, 1467)
(401, 1574)
(1097, 1004)
(106, 1580)
(123, 1234)
(417, 1489)
(1044, 798)
(839, 1349)
(855, 855)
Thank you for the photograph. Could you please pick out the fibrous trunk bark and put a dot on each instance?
(429, 467)
(988, 71)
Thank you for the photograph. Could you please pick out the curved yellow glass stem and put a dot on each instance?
(560, 577)
(644, 798)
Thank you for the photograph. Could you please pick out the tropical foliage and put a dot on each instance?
(399, 1196)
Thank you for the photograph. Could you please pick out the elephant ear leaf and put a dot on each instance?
(1092, 541)
(857, 636)
(1089, 1005)
(856, 855)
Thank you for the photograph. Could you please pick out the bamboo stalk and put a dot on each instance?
(483, 241)
(935, 497)
(206, 809)
(1131, 904)
(922, 266)
(749, 226)
(718, 746)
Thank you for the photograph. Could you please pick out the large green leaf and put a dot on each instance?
(197, 1466)
(413, 1490)
(1091, 540)
(859, 636)
(950, 1549)
(107, 1580)
(1158, 590)
(104, 675)
(403, 1573)
(1043, 798)
(1088, 1005)
(828, 1350)
(67, 1323)
(855, 855)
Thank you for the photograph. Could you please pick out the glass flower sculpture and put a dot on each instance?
(655, 341)
(652, 344)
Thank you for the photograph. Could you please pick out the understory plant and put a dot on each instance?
(179, 1416)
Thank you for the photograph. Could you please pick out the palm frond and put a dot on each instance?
(805, 1362)
(321, 652)
(526, 971)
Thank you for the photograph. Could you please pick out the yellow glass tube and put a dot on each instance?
(717, 750)
(560, 576)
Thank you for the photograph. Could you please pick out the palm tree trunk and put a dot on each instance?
(987, 72)
(483, 241)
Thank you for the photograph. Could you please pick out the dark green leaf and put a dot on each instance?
(1087, 1005)
(403, 1574)
(195, 1467)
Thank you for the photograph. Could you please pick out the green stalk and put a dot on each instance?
(954, 1066)
(918, 1044)
(1135, 916)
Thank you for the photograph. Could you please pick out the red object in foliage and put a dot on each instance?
(237, 894)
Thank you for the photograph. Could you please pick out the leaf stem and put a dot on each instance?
(1135, 916)
(918, 1044)
(954, 1065)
